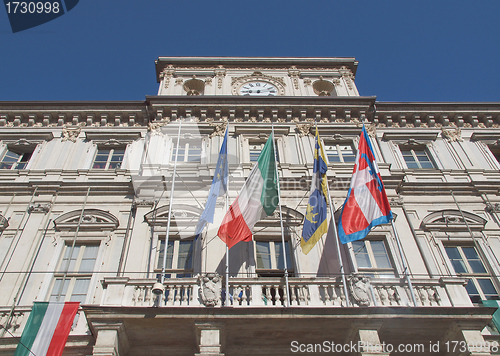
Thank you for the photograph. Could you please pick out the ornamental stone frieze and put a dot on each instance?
(39, 208)
(454, 135)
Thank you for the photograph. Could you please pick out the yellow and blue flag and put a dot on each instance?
(218, 188)
(315, 224)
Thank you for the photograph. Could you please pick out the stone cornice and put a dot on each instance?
(171, 63)
(210, 109)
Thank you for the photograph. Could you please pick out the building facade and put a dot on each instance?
(86, 202)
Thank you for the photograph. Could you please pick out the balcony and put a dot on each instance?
(271, 292)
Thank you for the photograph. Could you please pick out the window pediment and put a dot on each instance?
(92, 220)
(182, 215)
(291, 217)
(410, 137)
(446, 220)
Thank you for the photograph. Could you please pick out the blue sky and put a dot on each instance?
(407, 50)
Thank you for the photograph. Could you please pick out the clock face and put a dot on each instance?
(258, 88)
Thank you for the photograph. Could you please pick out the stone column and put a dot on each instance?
(111, 340)
(208, 337)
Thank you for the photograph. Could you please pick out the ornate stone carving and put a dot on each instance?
(39, 208)
(4, 223)
(219, 129)
(210, 289)
(359, 286)
(452, 135)
(71, 132)
(167, 74)
(371, 130)
(294, 74)
(348, 77)
(143, 202)
(155, 126)
(220, 73)
(490, 208)
(303, 129)
(396, 201)
(307, 81)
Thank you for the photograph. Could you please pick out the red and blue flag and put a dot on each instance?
(366, 204)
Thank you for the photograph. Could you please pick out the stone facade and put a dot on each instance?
(85, 192)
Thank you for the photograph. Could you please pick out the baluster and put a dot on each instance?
(304, 295)
(285, 295)
(269, 297)
(293, 295)
(435, 295)
(326, 298)
(336, 300)
(431, 296)
(147, 296)
(236, 298)
(185, 295)
(177, 295)
(140, 296)
(134, 296)
(342, 296)
(244, 299)
(170, 297)
(423, 296)
(393, 296)
(383, 295)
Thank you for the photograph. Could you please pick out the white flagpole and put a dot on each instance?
(170, 205)
(227, 208)
(405, 267)
(332, 214)
(342, 271)
(281, 220)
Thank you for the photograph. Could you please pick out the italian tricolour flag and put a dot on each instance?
(47, 329)
(257, 199)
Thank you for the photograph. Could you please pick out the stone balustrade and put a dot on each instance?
(271, 292)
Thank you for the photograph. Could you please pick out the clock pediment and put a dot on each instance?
(258, 77)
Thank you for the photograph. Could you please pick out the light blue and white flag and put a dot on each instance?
(218, 188)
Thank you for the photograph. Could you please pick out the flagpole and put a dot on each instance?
(342, 272)
(281, 219)
(227, 247)
(165, 250)
(405, 267)
(332, 210)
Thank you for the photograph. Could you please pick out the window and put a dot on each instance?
(466, 262)
(372, 258)
(270, 261)
(13, 160)
(496, 153)
(189, 151)
(340, 153)
(74, 273)
(108, 158)
(255, 148)
(417, 158)
(179, 262)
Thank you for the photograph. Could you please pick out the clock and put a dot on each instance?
(258, 88)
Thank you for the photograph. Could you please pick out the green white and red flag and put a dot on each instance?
(257, 199)
(47, 329)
